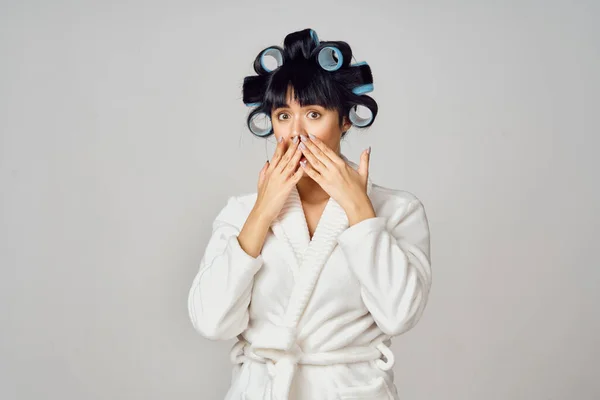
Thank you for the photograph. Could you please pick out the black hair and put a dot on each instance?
(313, 78)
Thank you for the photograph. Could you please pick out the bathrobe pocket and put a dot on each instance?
(375, 390)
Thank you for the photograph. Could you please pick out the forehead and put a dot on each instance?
(294, 104)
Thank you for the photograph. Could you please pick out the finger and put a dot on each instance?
(293, 163)
(279, 152)
(332, 155)
(318, 153)
(263, 170)
(289, 153)
(262, 173)
(297, 175)
(363, 167)
(265, 166)
(313, 173)
(314, 161)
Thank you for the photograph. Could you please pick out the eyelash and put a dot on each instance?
(310, 112)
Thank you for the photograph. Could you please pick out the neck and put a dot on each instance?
(310, 191)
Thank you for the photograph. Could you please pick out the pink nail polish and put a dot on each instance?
(310, 135)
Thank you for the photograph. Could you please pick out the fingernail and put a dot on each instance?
(303, 163)
(310, 135)
(295, 139)
(302, 146)
(303, 138)
(369, 150)
(280, 139)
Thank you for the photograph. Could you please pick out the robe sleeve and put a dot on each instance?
(220, 294)
(390, 257)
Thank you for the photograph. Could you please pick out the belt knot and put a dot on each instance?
(285, 361)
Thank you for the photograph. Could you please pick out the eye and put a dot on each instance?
(314, 113)
(280, 114)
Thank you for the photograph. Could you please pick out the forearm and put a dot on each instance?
(254, 232)
(394, 278)
(390, 258)
(221, 291)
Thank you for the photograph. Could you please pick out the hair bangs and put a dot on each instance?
(308, 84)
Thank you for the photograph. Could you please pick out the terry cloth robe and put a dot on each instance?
(314, 318)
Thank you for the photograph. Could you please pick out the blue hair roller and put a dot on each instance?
(257, 130)
(326, 60)
(252, 104)
(362, 89)
(276, 54)
(358, 121)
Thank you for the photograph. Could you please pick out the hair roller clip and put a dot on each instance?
(314, 37)
(357, 120)
(274, 52)
(330, 58)
(362, 89)
(260, 127)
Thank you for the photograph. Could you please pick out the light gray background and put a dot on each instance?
(123, 133)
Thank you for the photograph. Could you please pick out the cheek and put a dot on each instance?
(329, 133)
(326, 129)
(279, 128)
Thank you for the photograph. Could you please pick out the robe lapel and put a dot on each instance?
(291, 230)
(305, 256)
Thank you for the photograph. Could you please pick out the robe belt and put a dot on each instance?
(282, 364)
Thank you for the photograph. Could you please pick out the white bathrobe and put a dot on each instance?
(314, 318)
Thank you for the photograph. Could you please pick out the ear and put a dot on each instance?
(346, 124)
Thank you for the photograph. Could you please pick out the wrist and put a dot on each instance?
(260, 216)
(360, 210)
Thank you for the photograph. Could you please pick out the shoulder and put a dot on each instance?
(404, 215)
(387, 201)
(236, 209)
(245, 200)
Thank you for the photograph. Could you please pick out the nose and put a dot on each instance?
(297, 128)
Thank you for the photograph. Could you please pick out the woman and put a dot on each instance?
(317, 270)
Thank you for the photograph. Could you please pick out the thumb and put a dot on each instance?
(363, 166)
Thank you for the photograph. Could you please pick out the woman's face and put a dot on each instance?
(294, 120)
